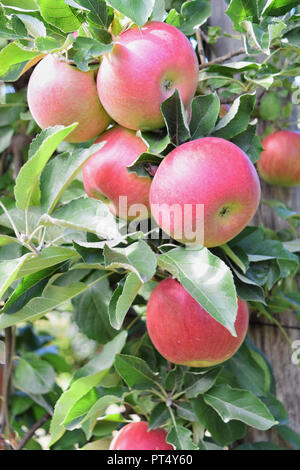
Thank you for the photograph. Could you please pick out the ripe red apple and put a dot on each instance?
(143, 70)
(135, 436)
(280, 160)
(209, 173)
(59, 93)
(184, 333)
(105, 173)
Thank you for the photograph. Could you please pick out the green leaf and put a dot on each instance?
(223, 433)
(9, 271)
(80, 409)
(13, 54)
(184, 410)
(181, 438)
(53, 296)
(233, 68)
(122, 299)
(6, 134)
(48, 44)
(175, 117)
(144, 161)
(156, 141)
(22, 5)
(240, 10)
(29, 287)
(159, 13)
(134, 371)
(91, 312)
(279, 7)
(249, 142)
(283, 211)
(259, 248)
(204, 383)
(90, 420)
(293, 246)
(159, 416)
(33, 375)
(49, 256)
(89, 377)
(88, 49)
(173, 18)
(174, 378)
(194, 13)
(11, 109)
(241, 405)
(289, 435)
(137, 258)
(99, 444)
(292, 37)
(59, 15)
(237, 119)
(85, 214)
(27, 190)
(250, 292)
(250, 370)
(35, 27)
(59, 173)
(205, 112)
(137, 10)
(207, 278)
(98, 12)
(276, 408)
(58, 363)
(7, 240)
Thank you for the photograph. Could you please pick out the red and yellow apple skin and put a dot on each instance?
(143, 70)
(135, 436)
(105, 173)
(212, 172)
(59, 93)
(184, 333)
(279, 163)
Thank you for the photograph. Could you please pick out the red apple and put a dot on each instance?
(105, 173)
(280, 160)
(211, 174)
(135, 436)
(184, 333)
(143, 70)
(58, 93)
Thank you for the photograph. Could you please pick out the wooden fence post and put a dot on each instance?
(266, 336)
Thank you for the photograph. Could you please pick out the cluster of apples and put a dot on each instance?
(144, 68)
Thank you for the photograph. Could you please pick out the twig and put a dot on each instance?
(223, 58)
(32, 430)
(10, 220)
(205, 37)
(10, 349)
(200, 47)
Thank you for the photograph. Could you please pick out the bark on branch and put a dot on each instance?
(223, 58)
